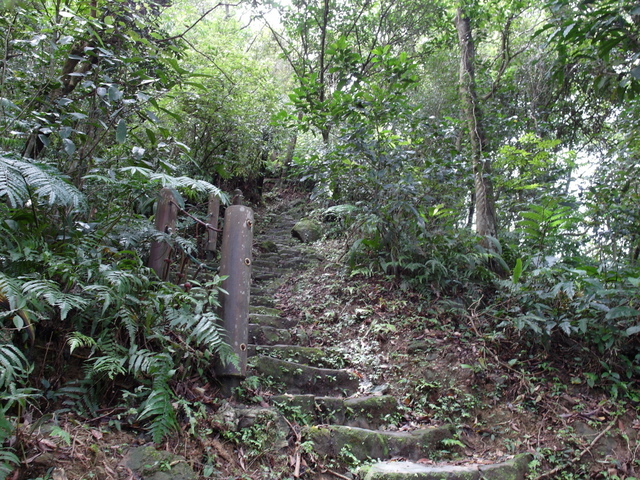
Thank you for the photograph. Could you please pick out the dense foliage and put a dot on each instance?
(102, 103)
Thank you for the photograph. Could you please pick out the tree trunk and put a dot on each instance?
(485, 212)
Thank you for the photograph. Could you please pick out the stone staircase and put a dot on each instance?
(344, 425)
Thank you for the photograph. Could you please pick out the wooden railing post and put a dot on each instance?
(166, 215)
(235, 264)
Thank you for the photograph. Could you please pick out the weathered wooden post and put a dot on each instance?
(212, 219)
(235, 263)
(166, 214)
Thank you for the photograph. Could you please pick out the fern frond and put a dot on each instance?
(79, 393)
(159, 409)
(207, 332)
(113, 360)
(78, 340)
(109, 366)
(49, 291)
(123, 281)
(158, 406)
(19, 177)
(130, 322)
(178, 183)
(13, 365)
(10, 288)
(8, 463)
(141, 361)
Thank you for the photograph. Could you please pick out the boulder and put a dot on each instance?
(307, 230)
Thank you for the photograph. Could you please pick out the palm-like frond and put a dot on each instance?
(19, 179)
(159, 410)
(13, 365)
(49, 291)
(8, 459)
(158, 407)
(203, 331)
(170, 181)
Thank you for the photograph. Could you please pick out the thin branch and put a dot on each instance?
(202, 17)
(208, 57)
(277, 38)
(197, 220)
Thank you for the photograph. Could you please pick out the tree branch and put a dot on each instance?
(202, 17)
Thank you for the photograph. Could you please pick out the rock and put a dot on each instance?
(151, 464)
(269, 320)
(226, 418)
(307, 230)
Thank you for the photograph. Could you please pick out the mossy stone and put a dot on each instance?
(152, 464)
(364, 444)
(307, 230)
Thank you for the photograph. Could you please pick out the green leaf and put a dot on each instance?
(121, 131)
(622, 311)
(151, 136)
(567, 30)
(517, 271)
(633, 330)
(69, 146)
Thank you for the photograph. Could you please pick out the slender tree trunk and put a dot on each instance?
(485, 211)
(323, 46)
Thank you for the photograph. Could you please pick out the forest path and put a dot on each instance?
(342, 420)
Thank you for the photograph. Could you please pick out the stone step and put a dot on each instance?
(294, 262)
(265, 276)
(513, 469)
(264, 309)
(272, 320)
(264, 263)
(336, 441)
(315, 357)
(369, 412)
(268, 335)
(298, 378)
(285, 251)
(261, 301)
(256, 291)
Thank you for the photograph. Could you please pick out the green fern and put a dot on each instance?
(170, 181)
(203, 331)
(158, 407)
(49, 291)
(8, 459)
(113, 360)
(14, 366)
(78, 340)
(19, 179)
